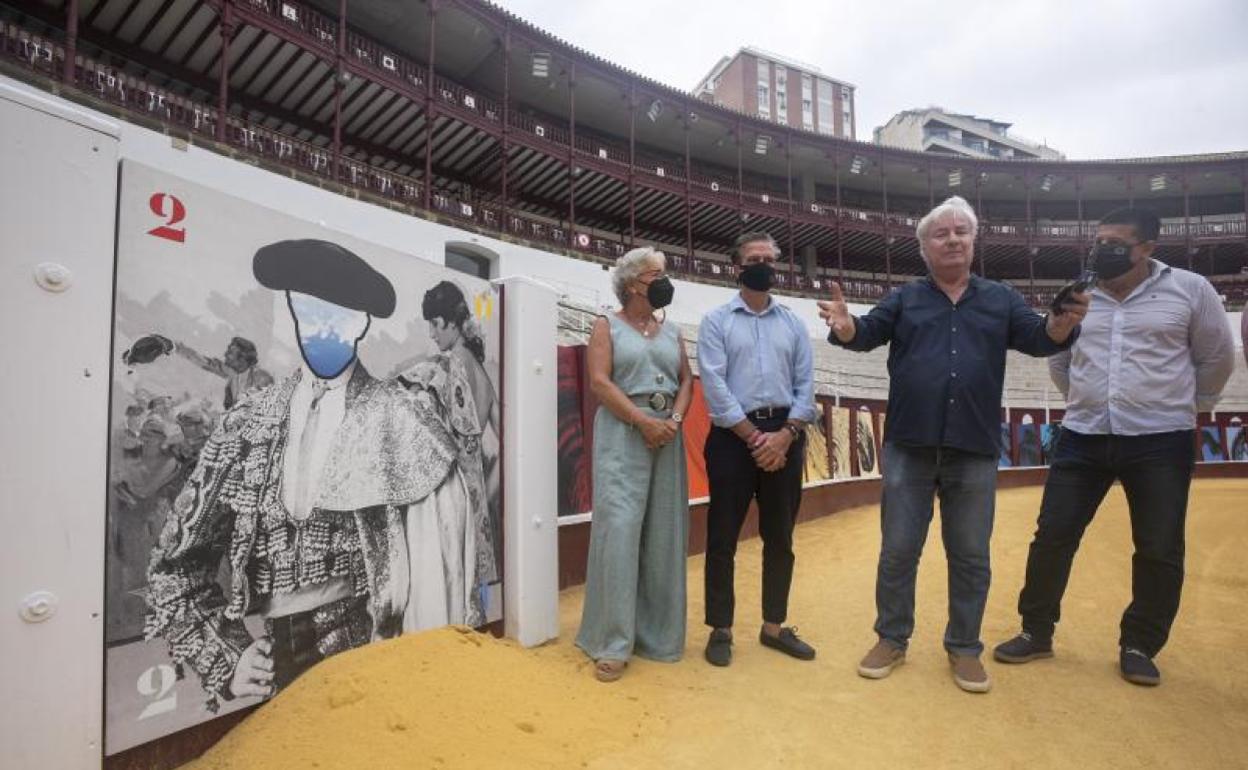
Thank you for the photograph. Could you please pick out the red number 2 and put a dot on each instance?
(176, 214)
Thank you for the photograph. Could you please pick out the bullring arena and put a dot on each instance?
(452, 142)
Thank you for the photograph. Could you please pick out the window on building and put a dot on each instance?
(471, 259)
(808, 107)
(827, 123)
(764, 88)
(782, 94)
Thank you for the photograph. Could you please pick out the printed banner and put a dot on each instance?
(304, 454)
(817, 462)
(865, 443)
(839, 439)
(1029, 450)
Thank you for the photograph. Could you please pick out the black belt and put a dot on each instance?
(768, 413)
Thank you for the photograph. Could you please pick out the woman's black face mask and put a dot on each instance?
(659, 292)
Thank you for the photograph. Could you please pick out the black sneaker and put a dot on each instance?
(719, 647)
(1138, 668)
(788, 643)
(1023, 648)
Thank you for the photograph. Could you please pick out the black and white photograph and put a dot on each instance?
(304, 458)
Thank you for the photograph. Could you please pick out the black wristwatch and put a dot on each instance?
(794, 431)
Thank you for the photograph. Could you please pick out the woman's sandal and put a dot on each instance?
(609, 670)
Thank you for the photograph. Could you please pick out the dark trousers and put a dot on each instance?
(304, 639)
(734, 481)
(1156, 472)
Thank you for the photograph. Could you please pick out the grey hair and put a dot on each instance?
(631, 265)
(955, 205)
(757, 236)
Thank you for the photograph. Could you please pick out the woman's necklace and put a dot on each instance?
(643, 326)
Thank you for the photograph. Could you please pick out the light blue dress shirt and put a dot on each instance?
(749, 361)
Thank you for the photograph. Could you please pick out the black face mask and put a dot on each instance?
(659, 292)
(1111, 260)
(759, 276)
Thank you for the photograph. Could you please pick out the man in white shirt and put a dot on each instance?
(1156, 348)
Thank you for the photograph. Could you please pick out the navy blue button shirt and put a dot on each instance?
(946, 362)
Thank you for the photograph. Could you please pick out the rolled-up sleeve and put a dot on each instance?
(721, 405)
(1213, 347)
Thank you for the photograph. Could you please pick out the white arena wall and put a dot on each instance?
(59, 204)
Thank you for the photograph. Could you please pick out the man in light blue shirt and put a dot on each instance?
(757, 372)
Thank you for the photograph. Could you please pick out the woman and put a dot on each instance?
(635, 588)
(442, 540)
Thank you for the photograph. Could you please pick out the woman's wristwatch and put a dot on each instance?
(677, 418)
(794, 431)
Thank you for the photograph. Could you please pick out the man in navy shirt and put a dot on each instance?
(949, 333)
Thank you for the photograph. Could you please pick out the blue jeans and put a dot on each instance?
(1156, 473)
(967, 485)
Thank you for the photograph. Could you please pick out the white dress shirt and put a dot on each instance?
(1149, 363)
(332, 408)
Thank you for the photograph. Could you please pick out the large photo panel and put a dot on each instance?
(304, 452)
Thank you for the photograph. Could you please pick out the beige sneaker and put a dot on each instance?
(969, 673)
(881, 661)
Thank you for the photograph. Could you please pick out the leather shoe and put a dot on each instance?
(719, 647)
(788, 643)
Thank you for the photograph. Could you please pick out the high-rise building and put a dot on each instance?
(948, 133)
(780, 89)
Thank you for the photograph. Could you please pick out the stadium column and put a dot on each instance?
(506, 119)
(71, 41)
(840, 246)
(1187, 220)
(430, 111)
(339, 85)
(982, 242)
(1079, 212)
(223, 80)
(1243, 181)
(788, 179)
(572, 172)
(1031, 249)
(688, 191)
(806, 197)
(888, 247)
(931, 191)
(632, 164)
(740, 184)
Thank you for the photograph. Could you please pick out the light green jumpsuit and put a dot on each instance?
(635, 586)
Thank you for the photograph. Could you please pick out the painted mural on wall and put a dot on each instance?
(838, 443)
(865, 443)
(1236, 440)
(304, 455)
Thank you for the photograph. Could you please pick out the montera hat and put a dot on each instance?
(327, 271)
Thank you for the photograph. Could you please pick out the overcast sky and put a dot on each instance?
(1092, 78)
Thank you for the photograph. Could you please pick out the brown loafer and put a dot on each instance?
(881, 660)
(969, 673)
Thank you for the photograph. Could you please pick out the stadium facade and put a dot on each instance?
(458, 110)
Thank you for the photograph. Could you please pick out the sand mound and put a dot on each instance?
(444, 698)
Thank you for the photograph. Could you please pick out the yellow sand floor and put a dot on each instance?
(456, 699)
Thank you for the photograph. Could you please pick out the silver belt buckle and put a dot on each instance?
(659, 402)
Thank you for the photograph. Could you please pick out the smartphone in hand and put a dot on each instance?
(1083, 283)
